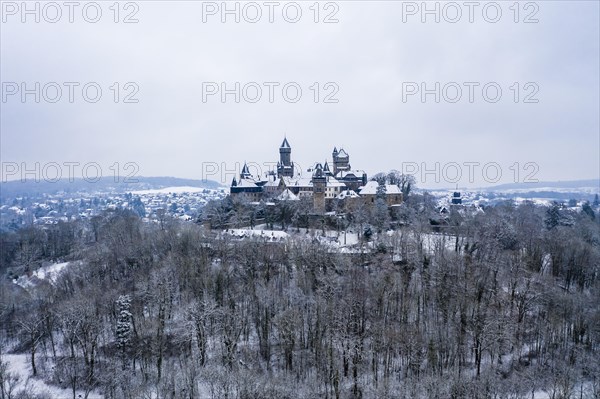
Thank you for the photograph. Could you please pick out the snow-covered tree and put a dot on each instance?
(124, 328)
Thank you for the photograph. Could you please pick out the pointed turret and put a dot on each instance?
(318, 170)
(326, 169)
(285, 167)
(245, 172)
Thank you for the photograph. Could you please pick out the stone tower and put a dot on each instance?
(341, 160)
(319, 181)
(285, 167)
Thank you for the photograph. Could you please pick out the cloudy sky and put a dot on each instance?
(368, 66)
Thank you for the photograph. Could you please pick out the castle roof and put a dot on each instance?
(301, 182)
(371, 188)
(246, 183)
(333, 182)
(347, 194)
(318, 172)
(245, 170)
(285, 143)
(287, 195)
(342, 174)
(272, 183)
(342, 153)
(392, 189)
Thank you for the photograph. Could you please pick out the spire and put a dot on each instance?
(245, 172)
(285, 143)
(326, 167)
(234, 182)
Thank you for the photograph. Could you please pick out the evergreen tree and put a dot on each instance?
(124, 326)
(381, 215)
(587, 209)
(552, 216)
(381, 189)
(138, 207)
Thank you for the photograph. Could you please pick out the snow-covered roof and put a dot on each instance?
(371, 188)
(246, 183)
(342, 154)
(297, 182)
(303, 182)
(273, 183)
(287, 195)
(344, 173)
(347, 194)
(332, 182)
(392, 189)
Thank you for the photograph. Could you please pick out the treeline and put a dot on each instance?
(501, 304)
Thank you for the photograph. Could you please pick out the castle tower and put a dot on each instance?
(341, 161)
(319, 180)
(245, 173)
(334, 155)
(285, 167)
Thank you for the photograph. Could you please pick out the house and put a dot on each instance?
(372, 190)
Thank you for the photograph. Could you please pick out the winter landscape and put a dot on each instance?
(281, 200)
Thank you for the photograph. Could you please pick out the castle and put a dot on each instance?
(324, 185)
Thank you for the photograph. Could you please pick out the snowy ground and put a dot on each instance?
(343, 240)
(20, 367)
(332, 237)
(49, 273)
(267, 234)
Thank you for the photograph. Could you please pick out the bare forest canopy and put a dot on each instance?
(500, 304)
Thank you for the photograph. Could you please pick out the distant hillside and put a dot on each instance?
(569, 185)
(553, 191)
(104, 185)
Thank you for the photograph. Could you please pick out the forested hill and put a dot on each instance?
(500, 304)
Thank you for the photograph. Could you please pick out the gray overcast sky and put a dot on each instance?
(370, 54)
